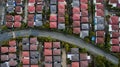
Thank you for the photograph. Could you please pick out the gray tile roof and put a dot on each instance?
(84, 33)
(85, 26)
(99, 27)
(34, 55)
(57, 58)
(10, 9)
(74, 50)
(75, 57)
(25, 40)
(53, 9)
(10, 2)
(100, 20)
(25, 47)
(34, 61)
(57, 64)
(61, 26)
(4, 64)
(38, 17)
(76, 4)
(53, 1)
(38, 23)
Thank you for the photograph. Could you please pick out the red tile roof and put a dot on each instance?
(47, 52)
(56, 44)
(115, 27)
(61, 12)
(84, 1)
(31, 1)
(76, 30)
(48, 65)
(47, 44)
(61, 19)
(115, 34)
(115, 41)
(75, 64)
(113, 1)
(31, 9)
(31, 17)
(30, 24)
(76, 10)
(12, 56)
(4, 49)
(12, 49)
(12, 43)
(61, 0)
(99, 1)
(48, 58)
(33, 47)
(76, 17)
(83, 56)
(84, 13)
(53, 24)
(84, 6)
(38, 8)
(17, 18)
(61, 6)
(57, 52)
(25, 61)
(76, 23)
(99, 40)
(114, 19)
(18, 1)
(12, 62)
(17, 24)
(4, 57)
(53, 17)
(18, 9)
(100, 33)
(99, 12)
(34, 66)
(9, 18)
(84, 19)
(9, 24)
(100, 6)
(83, 63)
(25, 53)
(33, 40)
(115, 49)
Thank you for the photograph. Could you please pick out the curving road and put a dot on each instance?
(63, 37)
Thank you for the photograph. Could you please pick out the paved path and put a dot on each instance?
(63, 37)
(26, 12)
(64, 58)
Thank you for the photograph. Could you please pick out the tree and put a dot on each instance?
(67, 47)
(87, 39)
(4, 27)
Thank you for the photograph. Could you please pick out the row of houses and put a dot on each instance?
(114, 33)
(80, 17)
(99, 21)
(52, 54)
(14, 10)
(114, 3)
(30, 56)
(78, 59)
(8, 54)
(57, 14)
(35, 13)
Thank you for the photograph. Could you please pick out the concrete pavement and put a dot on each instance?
(60, 36)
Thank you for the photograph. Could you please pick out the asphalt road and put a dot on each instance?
(63, 37)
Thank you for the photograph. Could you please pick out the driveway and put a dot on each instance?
(60, 36)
